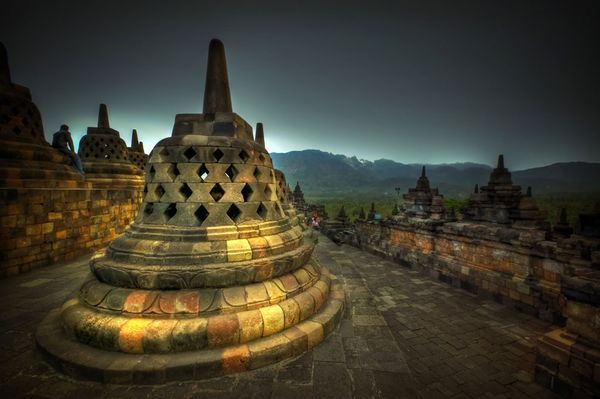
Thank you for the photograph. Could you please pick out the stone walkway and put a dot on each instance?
(402, 336)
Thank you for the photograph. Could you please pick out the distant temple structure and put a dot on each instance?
(213, 277)
(298, 199)
(502, 202)
(137, 155)
(424, 202)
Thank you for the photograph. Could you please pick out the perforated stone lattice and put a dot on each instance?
(282, 191)
(206, 186)
(98, 147)
(20, 119)
(139, 159)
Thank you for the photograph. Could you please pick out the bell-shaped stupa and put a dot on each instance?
(26, 159)
(212, 278)
(105, 155)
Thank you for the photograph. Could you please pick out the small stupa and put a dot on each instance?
(502, 202)
(25, 156)
(105, 156)
(424, 202)
(136, 152)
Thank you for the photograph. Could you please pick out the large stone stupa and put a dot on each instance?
(212, 278)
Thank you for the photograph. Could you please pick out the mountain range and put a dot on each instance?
(325, 174)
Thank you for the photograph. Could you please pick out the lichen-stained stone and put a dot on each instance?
(313, 331)
(131, 335)
(291, 312)
(306, 303)
(223, 330)
(189, 335)
(215, 275)
(273, 319)
(251, 325)
(235, 359)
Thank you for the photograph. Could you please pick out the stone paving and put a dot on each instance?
(403, 335)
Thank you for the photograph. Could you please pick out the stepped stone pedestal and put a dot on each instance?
(212, 278)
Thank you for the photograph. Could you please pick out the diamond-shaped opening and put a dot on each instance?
(173, 172)
(170, 211)
(231, 172)
(244, 156)
(145, 189)
(201, 214)
(203, 172)
(257, 173)
(189, 153)
(218, 154)
(268, 193)
(262, 211)
(234, 213)
(261, 157)
(185, 190)
(164, 152)
(149, 208)
(247, 192)
(159, 190)
(217, 192)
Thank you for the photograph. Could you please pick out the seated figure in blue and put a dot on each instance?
(63, 142)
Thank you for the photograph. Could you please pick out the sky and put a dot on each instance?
(412, 81)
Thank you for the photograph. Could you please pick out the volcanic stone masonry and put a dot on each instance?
(212, 278)
(137, 156)
(502, 248)
(48, 211)
(298, 199)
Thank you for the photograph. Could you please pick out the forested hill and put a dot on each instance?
(323, 173)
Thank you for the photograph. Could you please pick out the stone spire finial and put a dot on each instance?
(134, 140)
(476, 191)
(423, 173)
(500, 162)
(4, 69)
(141, 147)
(216, 91)
(260, 134)
(103, 117)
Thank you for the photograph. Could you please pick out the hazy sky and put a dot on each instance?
(413, 81)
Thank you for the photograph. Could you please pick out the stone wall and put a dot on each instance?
(517, 267)
(554, 278)
(45, 225)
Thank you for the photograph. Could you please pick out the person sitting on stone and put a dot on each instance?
(63, 142)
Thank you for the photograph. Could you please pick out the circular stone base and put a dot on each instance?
(83, 361)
